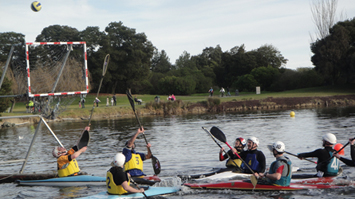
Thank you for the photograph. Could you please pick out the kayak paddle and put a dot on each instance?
(104, 69)
(217, 133)
(209, 133)
(84, 139)
(155, 161)
(270, 147)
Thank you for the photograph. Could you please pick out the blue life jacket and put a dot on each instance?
(252, 162)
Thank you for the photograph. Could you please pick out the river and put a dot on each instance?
(181, 146)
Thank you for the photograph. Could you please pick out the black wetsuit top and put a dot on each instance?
(352, 161)
(322, 155)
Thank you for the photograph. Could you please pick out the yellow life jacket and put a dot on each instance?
(69, 169)
(134, 163)
(112, 188)
(235, 162)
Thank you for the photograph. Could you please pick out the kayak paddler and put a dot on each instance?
(66, 160)
(233, 162)
(325, 166)
(117, 180)
(253, 157)
(280, 171)
(134, 160)
(352, 152)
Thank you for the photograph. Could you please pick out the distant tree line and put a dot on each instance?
(135, 62)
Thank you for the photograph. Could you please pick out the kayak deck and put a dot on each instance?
(81, 180)
(151, 191)
(243, 185)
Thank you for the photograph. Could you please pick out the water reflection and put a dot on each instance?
(178, 142)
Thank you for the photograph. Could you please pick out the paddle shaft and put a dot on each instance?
(138, 187)
(140, 126)
(304, 159)
(209, 133)
(240, 158)
(104, 69)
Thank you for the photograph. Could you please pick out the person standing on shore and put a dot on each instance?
(211, 92)
(114, 99)
(228, 92)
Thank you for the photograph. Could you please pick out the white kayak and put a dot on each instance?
(151, 191)
(230, 175)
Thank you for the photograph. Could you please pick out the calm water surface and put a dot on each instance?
(181, 146)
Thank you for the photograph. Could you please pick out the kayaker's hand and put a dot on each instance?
(149, 145)
(221, 151)
(234, 150)
(336, 155)
(141, 190)
(261, 175)
(139, 131)
(352, 141)
(257, 175)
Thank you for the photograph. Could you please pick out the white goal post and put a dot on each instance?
(40, 61)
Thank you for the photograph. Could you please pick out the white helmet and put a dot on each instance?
(119, 160)
(254, 140)
(279, 146)
(55, 152)
(330, 137)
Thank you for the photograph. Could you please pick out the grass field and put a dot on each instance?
(123, 105)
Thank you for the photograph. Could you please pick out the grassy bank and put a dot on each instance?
(123, 107)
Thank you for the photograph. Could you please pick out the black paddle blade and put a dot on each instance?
(217, 133)
(156, 165)
(130, 98)
(84, 140)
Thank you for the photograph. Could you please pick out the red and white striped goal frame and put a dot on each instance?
(59, 93)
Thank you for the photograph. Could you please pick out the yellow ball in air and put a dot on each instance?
(292, 114)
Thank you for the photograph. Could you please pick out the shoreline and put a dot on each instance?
(179, 107)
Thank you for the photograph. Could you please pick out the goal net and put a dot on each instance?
(51, 74)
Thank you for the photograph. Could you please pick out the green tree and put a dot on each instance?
(177, 85)
(268, 55)
(161, 62)
(265, 76)
(130, 61)
(6, 40)
(246, 83)
(334, 55)
(58, 33)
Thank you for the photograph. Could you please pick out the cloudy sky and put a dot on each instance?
(183, 25)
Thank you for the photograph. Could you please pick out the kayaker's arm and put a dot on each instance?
(77, 153)
(149, 155)
(131, 189)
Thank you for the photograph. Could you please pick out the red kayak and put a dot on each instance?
(245, 185)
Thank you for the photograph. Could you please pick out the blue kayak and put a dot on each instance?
(151, 191)
(79, 180)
